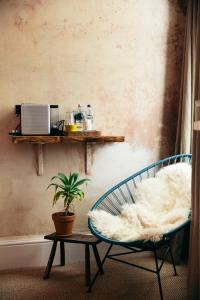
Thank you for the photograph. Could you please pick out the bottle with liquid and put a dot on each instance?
(79, 117)
(89, 120)
(69, 122)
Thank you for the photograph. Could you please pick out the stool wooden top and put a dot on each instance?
(78, 238)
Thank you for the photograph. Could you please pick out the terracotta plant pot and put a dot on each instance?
(63, 224)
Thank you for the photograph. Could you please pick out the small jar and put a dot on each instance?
(69, 122)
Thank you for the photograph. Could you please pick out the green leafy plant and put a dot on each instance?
(68, 189)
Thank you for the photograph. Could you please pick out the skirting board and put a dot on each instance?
(33, 251)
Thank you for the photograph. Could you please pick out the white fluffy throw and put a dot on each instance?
(161, 204)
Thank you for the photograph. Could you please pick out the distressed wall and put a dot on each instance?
(121, 56)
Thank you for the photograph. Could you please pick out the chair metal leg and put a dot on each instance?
(158, 273)
(62, 253)
(50, 261)
(172, 258)
(87, 265)
(98, 271)
(97, 257)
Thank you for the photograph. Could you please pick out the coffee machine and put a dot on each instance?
(37, 119)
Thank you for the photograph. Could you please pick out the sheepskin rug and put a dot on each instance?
(161, 204)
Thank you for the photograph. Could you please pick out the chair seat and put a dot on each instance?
(153, 202)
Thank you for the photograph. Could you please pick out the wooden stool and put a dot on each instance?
(84, 239)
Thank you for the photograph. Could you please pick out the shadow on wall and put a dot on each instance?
(174, 58)
(7, 121)
(113, 163)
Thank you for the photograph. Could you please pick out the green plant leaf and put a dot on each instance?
(74, 178)
(63, 178)
(58, 178)
(68, 189)
(71, 175)
(62, 187)
(53, 178)
(57, 196)
(80, 182)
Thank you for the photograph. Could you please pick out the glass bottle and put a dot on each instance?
(79, 117)
(89, 120)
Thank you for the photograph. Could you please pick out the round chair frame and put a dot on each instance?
(123, 192)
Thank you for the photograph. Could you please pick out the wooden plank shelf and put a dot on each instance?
(88, 141)
(42, 139)
(33, 139)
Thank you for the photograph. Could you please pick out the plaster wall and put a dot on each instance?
(121, 56)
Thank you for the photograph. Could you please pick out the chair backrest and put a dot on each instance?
(123, 192)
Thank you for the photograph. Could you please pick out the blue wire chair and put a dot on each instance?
(112, 202)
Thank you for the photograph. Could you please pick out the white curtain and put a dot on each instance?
(186, 101)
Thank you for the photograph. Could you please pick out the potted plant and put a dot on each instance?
(67, 188)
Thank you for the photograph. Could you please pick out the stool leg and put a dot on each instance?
(87, 265)
(50, 261)
(62, 253)
(97, 257)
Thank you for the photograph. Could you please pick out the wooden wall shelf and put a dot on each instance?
(88, 141)
(42, 139)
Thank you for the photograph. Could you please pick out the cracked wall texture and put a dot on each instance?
(121, 56)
